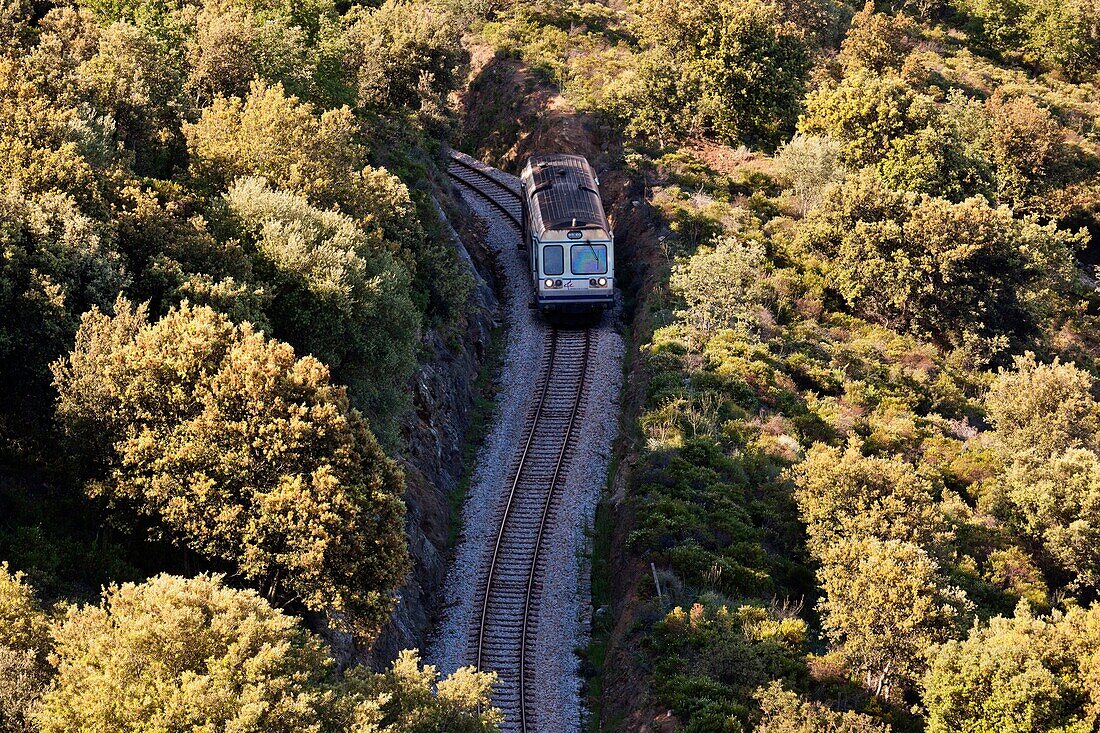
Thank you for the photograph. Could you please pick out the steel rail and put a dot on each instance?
(533, 571)
(582, 374)
(508, 213)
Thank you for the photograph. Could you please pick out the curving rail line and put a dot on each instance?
(512, 575)
(476, 180)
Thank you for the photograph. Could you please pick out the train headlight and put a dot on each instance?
(602, 282)
(557, 283)
(549, 283)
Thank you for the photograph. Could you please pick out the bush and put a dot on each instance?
(24, 645)
(175, 654)
(337, 294)
(1017, 675)
(407, 55)
(1043, 409)
(240, 451)
(844, 495)
(723, 285)
(809, 164)
(876, 42)
(946, 271)
(735, 70)
(864, 113)
(884, 605)
(786, 712)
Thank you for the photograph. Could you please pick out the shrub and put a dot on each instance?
(407, 55)
(876, 42)
(885, 603)
(1017, 675)
(336, 294)
(810, 163)
(786, 712)
(735, 70)
(723, 285)
(24, 645)
(937, 269)
(175, 654)
(843, 494)
(241, 451)
(1043, 409)
(864, 113)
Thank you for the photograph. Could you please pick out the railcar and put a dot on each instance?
(569, 244)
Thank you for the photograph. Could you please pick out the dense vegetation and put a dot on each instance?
(865, 458)
(218, 255)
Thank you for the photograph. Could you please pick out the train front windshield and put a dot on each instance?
(588, 259)
(553, 260)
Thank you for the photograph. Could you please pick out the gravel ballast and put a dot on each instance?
(563, 606)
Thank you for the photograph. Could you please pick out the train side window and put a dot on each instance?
(553, 259)
(588, 259)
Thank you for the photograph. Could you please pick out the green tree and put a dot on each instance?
(24, 645)
(809, 163)
(240, 451)
(55, 264)
(739, 66)
(274, 136)
(885, 604)
(722, 284)
(864, 113)
(185, 655)
(414, 699)
(786, 712)
(230, 46)
(1063, 35)
(1058, 503)
(934, 161)
(843, 494)
(1018, 675)
(337, 294)
(1043, 409)
(876, 42)
(407, 55)
(947, 271)
(1027, 147)
(136, 79)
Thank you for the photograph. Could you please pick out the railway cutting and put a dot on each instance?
(518, 587)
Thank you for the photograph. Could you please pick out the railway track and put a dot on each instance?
(487, 187)
(512, 579)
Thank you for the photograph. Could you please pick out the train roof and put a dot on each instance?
(563, 193)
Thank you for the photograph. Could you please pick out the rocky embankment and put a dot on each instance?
(436, 436)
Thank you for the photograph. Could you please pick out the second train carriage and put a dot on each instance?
(569, 243)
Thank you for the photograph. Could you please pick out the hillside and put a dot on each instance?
(248, 361)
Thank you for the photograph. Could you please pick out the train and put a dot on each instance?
(568, 241)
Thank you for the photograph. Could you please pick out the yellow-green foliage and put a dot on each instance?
(1017, 675)
(24, 644)
(176, 654)
(406, 55)
(1047, 423)
(714, 649)
(785, 712)
(337, 293)
(1043, 409)
(950, 272)
(241, 451)
(843, 494)
(734, 70)
(884, 604)
(195, 655)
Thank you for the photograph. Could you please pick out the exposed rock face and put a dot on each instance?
(444, 395)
